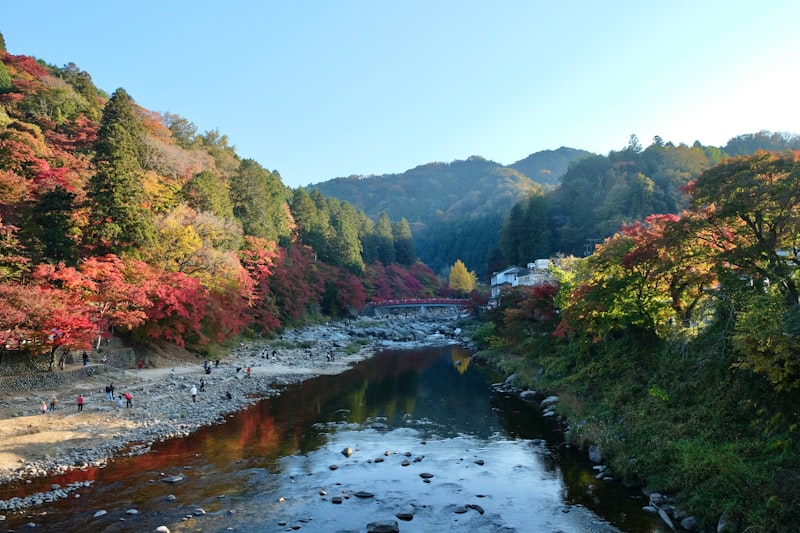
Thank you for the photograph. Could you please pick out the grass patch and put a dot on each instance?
(355, 346)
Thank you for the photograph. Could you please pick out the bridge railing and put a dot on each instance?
(419, 301)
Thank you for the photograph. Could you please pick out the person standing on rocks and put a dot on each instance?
(110, 391)
(119, 401)
(44, 407)
(80, 402)
(53, 403)
(193, 392)
(128, 399)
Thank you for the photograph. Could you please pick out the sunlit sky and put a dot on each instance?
(324, 89)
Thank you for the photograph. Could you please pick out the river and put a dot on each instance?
(428, 438)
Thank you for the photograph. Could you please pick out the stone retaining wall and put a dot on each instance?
(15, 363)
(35, 378)
(48, 380)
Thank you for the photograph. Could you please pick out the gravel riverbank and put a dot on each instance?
(36, 444)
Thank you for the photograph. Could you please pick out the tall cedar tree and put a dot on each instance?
(344, 248)
(259, 202)
(52, 213)
(403, 243)
(385, 240)
(119, 219)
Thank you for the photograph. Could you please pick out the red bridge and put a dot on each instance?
(377, 307)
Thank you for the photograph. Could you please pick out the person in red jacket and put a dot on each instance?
(80, 402)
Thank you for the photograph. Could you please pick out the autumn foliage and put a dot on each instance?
(115, 220)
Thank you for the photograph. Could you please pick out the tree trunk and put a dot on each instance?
(62, 359)
(52, 359)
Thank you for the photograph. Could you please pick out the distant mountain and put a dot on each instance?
(547, 166)
(455, 209)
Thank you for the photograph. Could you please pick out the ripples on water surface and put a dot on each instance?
(269, 467)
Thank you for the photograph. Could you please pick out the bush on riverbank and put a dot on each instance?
(671, 417)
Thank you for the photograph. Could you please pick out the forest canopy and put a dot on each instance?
(138, 223)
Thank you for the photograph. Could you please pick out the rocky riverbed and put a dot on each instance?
(37, 444)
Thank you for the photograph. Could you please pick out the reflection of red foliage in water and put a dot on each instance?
(271, 428)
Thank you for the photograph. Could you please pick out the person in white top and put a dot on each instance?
(193, 392)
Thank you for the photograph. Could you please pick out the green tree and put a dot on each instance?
(53, 215)
(536, 241)
(183, 131)
(206, 191)
(403, 243)
(385, 239)
(259, 202)
(750, 212)
(751, 207)
(369, 242)
(119, 218)
(216, 145)
(461, 280)
(512, 232)
(312, 220)
(344, 249)
(82, 82)
(5, 79)
(526, 234)
(766, 336)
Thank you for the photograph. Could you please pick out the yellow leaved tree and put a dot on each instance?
(461, 279)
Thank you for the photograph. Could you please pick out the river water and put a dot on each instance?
(428, 438)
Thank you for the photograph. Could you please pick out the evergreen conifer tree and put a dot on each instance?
(119, 219)
(385, 239)
(403, 243)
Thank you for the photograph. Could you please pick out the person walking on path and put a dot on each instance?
(53, 403)
(44, 407)
(85, 358)
(193, 392)
(80, 402)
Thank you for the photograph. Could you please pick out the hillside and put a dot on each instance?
(554, 201)
(117, 218)
(451, 206)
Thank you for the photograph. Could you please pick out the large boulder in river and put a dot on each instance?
(386, 526)
(595, 454)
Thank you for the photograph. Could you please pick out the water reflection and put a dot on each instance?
(403, 413)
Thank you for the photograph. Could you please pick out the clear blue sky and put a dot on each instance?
(323, 89)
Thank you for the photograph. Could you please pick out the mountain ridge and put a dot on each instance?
(475, 190)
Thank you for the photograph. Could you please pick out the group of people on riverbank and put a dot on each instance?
(80, 401)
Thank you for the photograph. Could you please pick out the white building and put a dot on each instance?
(535, 273)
